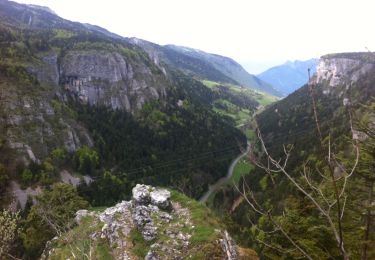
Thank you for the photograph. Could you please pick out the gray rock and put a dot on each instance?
(229, 247)
(149, 232)
(161, 198)
(141, 194)
(143, 221)
(110, 79)
(165, 217)
(151, 256)
(141, 216)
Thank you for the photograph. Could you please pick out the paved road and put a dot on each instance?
(225, 179)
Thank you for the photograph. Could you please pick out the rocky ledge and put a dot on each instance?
(154, 224)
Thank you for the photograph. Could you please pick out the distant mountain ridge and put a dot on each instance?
(229, 68)
(289, 76)
(204, 66)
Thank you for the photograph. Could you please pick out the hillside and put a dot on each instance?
(342, 86)
(204, 66)
(341, 80)
(227, 67)
(289, 76)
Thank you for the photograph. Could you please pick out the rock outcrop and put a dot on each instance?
(103, 77)
(166, 227)
(64, 60)
(341, 70)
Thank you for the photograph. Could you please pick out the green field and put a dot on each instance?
(243, 167)
(240, 115)
(262, 98)
(250, 134)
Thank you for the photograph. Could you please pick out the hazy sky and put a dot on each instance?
(256, 33)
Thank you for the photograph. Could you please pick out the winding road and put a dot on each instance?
(213, 188)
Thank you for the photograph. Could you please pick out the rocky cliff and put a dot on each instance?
(337, 69)
(109, 79)
(155, 224)
(47, 61)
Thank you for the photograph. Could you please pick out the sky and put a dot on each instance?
(256, 33)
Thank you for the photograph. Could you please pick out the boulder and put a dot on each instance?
(161, 198)
(141, 194)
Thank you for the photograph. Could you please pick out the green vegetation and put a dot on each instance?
(63, 34)
(199, 142)
(52, 215)
(9, 232)
(210, 84)
(203, 219)
(250, 135)
(290, 122)
(140, 246)
(242, 168)
(261, 98)
(226, 108)
(77, 242)
(87, 160)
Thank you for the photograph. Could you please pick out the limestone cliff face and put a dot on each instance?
(32, 120)
(55, 60)
(33, 115)
(108, 79)
(341, 70)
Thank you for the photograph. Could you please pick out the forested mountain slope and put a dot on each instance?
(205, 66)
(340, 152)
(77, 98)
(226, 66)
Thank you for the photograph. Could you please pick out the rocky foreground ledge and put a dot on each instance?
(154, 224)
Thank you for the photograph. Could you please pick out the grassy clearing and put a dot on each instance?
(262, 98)
(77, 243)
(265, 99)
(205, 223)
(243, 167)
(63, 34)
(209, 83)
(250, 135)
(240, 115)
(97, 209)
(140, 246)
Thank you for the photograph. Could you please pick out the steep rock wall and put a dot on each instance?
(339, 71)
(108, 79)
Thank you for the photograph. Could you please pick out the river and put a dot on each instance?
(222, 181)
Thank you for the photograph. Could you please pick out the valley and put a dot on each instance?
(116, 147)
(229, 177)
